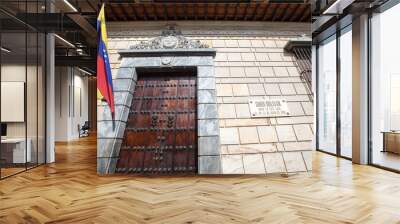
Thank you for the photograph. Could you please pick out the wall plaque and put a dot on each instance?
(263, 107)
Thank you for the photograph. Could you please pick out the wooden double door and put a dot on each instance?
(160, 135)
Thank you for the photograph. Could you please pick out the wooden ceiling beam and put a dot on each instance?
(215, 11)
(189, 8)
(307, 14)
(109, 14)
(145, 14)
(185, 10)
(205, 11)
(274, 12)
(175, 6)
(202, 11)
(254, 17)
(301, 10)
(134, 12)
(115, 15)
(133, 9)
(245, 11)
(236, 13)
(195, 7)
(266, 10)
(166, 17)
(290, 11)
(226, 11)
(124, 13)
(153, 6)
(286, 8)
(91, 5)
(196, 10)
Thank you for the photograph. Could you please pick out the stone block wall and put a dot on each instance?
(250, 62)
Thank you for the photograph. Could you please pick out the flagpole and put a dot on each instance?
(113, 120)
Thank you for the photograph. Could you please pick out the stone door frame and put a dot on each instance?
(110, 133)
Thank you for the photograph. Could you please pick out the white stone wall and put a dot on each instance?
(250, 61)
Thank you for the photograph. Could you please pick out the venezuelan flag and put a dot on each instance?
(104, 77)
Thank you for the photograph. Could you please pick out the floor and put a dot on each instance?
(387, 159)
(71, 192)
(10, 171)
(5, 172)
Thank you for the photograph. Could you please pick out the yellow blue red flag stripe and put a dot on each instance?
(104, 76)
